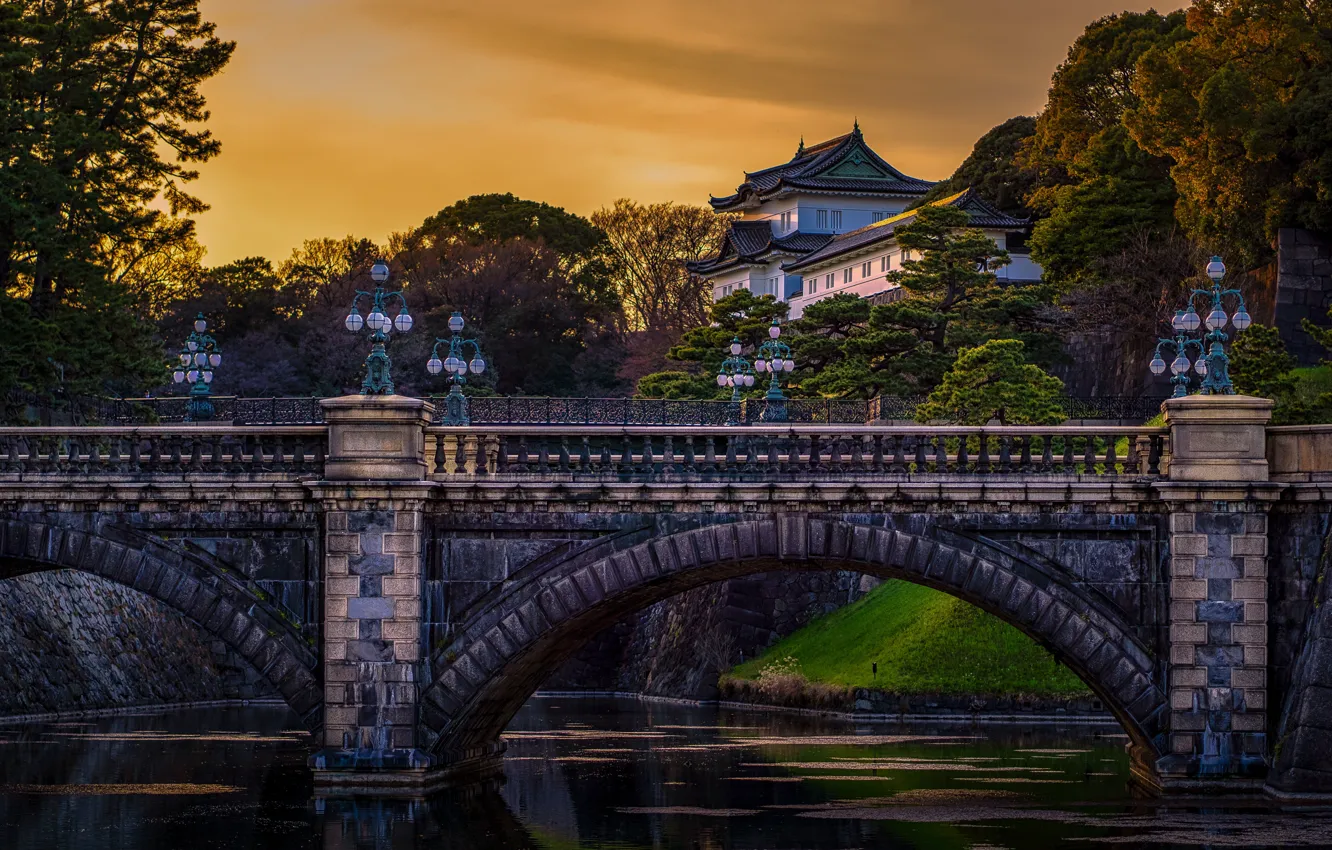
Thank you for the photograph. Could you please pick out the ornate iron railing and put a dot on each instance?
(801, 452)
(520, 410)
(198, 449)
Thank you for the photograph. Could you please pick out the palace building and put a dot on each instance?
(823, 223)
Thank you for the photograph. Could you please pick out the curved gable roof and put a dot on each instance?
(843, 164)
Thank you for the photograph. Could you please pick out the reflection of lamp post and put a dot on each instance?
(774, 357)
(455, 405)
(1213, 363)
(200, 356)
(378, 381)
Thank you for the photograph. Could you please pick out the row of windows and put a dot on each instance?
(824, 220)
(848, 274)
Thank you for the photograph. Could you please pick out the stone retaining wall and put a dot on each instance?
(76, 642)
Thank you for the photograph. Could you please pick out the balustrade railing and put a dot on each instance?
(638, 453)
(297, 452)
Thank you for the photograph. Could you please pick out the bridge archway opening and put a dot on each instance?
(512, 640)
(221, 606)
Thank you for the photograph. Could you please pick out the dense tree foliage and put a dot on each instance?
(994, 381)
(1243, 111)
(994, 169)
(102, 118)
(1095, 188)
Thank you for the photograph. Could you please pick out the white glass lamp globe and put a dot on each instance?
(192, 375)
(1178, 322)
(453, 364)
(790, 366)
(1201, 367)
(200, 359)
(1217, 319)
(379, 272)
(456, 323)
(774, 331)
(178, 376)
(200, 325)
(1180, 365)
(1242, 319)
(215, 360)
(721, 380)
(354, 321)
(434, 365)
(761, 365)
(404, 321)
(749, 380)
(1191, 320)
(735, 348)
(477, 366)
(192, 345)
(1158, 366)
(208, 377)
(184, 359)
(1216, 269)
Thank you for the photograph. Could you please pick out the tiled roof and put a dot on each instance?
(753, 242)
(982, 215)
(809, 168)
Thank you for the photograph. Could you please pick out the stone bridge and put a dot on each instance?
(407, 587)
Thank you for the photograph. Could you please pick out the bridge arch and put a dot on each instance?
(220, 605)
(512, 639)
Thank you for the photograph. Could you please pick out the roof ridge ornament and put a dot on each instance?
(800, 151)
(855, 131)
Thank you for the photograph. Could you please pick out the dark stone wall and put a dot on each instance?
(1301, 622)
(1304, 290)
(76, 642)
(679, 648)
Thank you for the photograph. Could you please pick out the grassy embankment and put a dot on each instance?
(924, 641)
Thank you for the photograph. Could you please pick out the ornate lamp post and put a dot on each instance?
(200, 356)
(378, 380)
(1179, 367)
(774, 357)
(735, 373)
(1213, 363)
(455, 405)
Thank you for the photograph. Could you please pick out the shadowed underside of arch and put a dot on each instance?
(220, 606)
(509, 645)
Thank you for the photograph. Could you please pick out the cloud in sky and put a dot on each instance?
(365, 116)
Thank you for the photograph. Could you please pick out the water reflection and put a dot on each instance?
(615, 774)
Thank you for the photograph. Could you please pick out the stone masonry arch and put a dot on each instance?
(220, 605)
(513, 639)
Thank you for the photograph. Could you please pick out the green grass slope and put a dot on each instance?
(924, 642)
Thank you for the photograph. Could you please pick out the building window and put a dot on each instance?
(828, 282)
(866, 269)
(906, 256)
(786, 222)
(822, 218)
(811, 285)
(837, 221)
(846, 275)
(879, 216)
(883, 263)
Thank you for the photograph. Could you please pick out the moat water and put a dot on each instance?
(608, 773)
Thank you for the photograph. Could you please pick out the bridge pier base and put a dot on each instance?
(372, 597)
(1219, 497)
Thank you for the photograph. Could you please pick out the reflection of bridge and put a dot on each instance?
(406, 587)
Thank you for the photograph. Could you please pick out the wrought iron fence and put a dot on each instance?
(521, 410)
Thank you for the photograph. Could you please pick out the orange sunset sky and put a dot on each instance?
(364, 116)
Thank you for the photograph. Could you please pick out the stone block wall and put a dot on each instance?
(1218, 637)
(372, 623)
(76, 642)
(1304, 290)
(679, 647)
